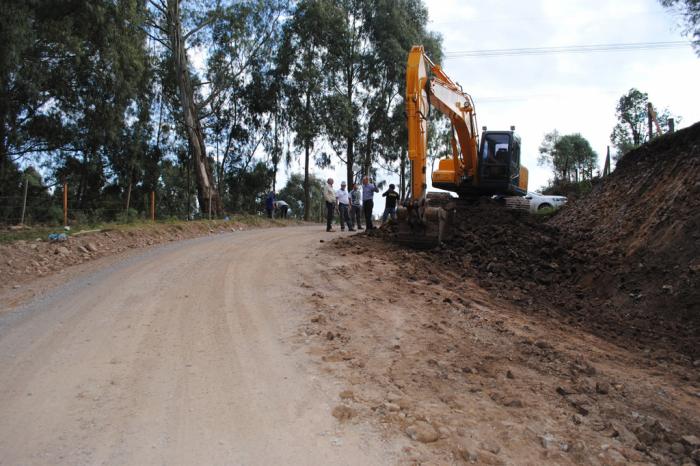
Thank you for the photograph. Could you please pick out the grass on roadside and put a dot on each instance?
(42, 232)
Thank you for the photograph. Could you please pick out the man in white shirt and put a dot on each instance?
(329, 196)
(283, 207)
(343, 197)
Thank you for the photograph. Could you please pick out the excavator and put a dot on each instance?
(476, 168)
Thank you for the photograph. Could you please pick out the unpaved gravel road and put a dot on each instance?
(182, 354)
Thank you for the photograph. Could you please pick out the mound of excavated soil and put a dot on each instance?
(621, 262)
(644, 222)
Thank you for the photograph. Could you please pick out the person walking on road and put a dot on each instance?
(270, 203)
(356, 201)
(329, 196)
(343, 197)
(392, 198)
(368, 190)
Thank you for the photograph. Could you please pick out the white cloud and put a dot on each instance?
(569, 92)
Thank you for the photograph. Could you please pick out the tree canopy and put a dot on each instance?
(571, 156)
(200, 101)
(631, 129)
(689, 10)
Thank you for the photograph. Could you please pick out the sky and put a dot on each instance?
(573, 93)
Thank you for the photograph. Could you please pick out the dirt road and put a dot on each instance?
(270, 347)
(184, 354)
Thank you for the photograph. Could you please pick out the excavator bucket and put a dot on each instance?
(422, 226)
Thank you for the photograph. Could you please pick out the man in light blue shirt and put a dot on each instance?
(368, 190)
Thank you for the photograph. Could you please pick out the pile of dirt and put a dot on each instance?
(621, 262)
(645, 221)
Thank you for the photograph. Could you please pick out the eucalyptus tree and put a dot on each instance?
(367, 74)
(230, 37)
(303, 61)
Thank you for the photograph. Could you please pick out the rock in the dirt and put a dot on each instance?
(677, 448)
(509, 374)
(547, 441)
(513, 403)
(602, 387)
(62, 250)
(343, 413)
(473, 455)
(83, 249)
(392, 407)
(404, 403)
(563, 391)
(695, 455)
(329, 335)
(541, 344)
(422, 432)
(347, 395)
(444, 432)
(491, 447)
(318, 319)
(580, 402)
(691, 441)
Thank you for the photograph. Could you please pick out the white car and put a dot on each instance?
(541, 202)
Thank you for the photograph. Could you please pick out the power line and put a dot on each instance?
(567, 49)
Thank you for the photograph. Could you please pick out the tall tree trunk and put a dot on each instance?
(307, 194)
(193, 126)
(351, 131)
(128, 199)
(307, 156)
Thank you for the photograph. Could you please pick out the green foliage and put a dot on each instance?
(89, 96)
(572, 190)
(249, 188)
(293, 194)
(689, 10)
(571, 156)
(631, 129)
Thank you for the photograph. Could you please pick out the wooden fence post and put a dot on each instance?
(209, 195)
(153, 206)
(24, 200)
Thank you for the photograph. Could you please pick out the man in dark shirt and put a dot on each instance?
(392, 198)
(270, 203)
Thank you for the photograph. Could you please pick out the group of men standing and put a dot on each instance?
(350, 203)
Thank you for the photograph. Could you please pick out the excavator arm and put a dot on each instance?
(445, 95)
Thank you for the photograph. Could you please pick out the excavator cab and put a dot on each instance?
(499, 164)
